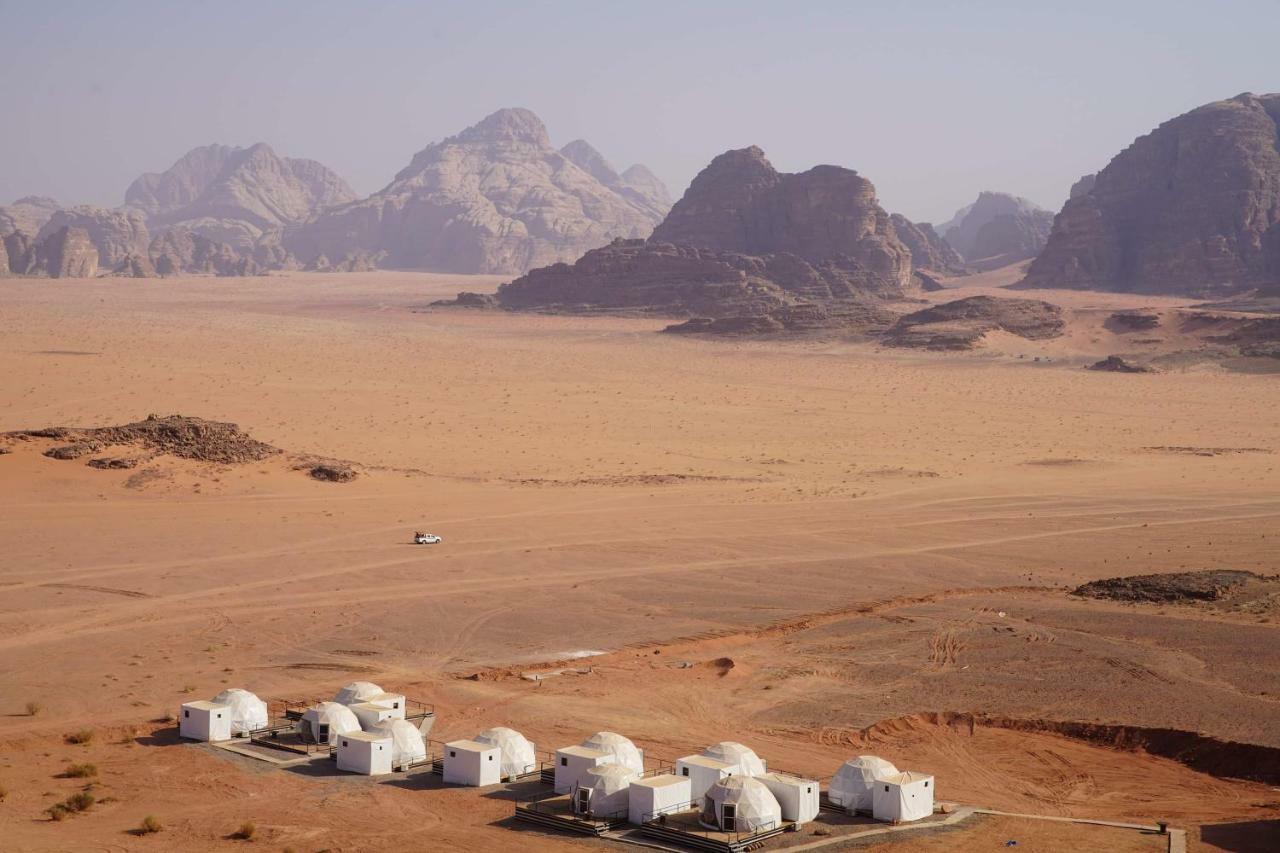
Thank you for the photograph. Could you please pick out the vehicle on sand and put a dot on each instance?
(426, 539)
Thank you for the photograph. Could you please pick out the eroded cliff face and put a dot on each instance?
(1192, 208)
(999, 229)
(747, 247)
(929, 251)
(496, 198)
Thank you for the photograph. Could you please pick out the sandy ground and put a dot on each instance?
(843, 524)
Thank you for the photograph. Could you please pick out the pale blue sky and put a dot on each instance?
(933, 101)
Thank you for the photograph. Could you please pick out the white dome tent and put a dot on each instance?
(731, 752)
(854, 782)
(518, 756)
(326, 722)
(248, 712)
(604, 793)
(740, 804)
(356, 692)
(624, 752)
(407, 745)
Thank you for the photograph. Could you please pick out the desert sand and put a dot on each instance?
(811, 546)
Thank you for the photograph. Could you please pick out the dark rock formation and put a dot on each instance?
(1132, 321)
(928, 250)
(175, 435)
(1170, 588)
(496, 198)
(135, 266)
(1192, 208)
(999, 229)
(21, 252)
(745, 243)
(67, 253)
(116, 234)
(1116, 364)
(962, 324)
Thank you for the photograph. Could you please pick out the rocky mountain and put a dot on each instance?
(929, 251)
(1083, 186)
(998, 229)
(236, 195)
(963, 323)
(745, 249)
(1192, 208)
(496, 198)
(642, 187)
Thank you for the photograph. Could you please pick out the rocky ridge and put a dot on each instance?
(998, 229)
(963, 323)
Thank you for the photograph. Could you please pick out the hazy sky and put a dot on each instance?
(933, 101)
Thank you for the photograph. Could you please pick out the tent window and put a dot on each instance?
(344, 743)
(219, 716)
(808, 790)
(395, 704)
(564, 762)
(926, 784)
(491, 758)
(186, 712)
(886, 788)
(453, 754)
(684, 771)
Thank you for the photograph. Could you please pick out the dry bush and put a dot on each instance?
(150, 824)
(82, 737)
(247, 831)
(80, 771)
(34, 708)
(58, 812)
(4, 792)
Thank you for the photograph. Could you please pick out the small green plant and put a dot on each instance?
(34, 708)
(84, 737)
(81, 771)
(80, 802)
(150, 824)
(247, 831)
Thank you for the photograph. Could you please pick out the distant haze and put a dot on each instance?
(932, 101)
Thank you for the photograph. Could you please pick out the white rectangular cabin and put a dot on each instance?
(797, 797)
(703, 772)
(361, 752)
(467, 762)
(207, 721)
(371, 713)
(572, 764)
(903, 797)
(655, 795)
(394, 701)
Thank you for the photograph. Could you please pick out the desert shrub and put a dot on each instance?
(150, 824)
(34, 708)
(80, 771)
(247, 831)
(80, 801)
(4, 792)
(83, 737)
(58, 812)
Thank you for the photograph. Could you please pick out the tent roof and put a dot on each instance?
(357, 691)
(368, 737)
(660, 781)
(906, 777)
(732, 752)
(582, 751)
(470, 745)
(704, 761)
(202, 705)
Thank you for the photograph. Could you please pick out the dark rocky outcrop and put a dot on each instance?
(1116, 364)
(999, 229)
(1132, 321)
(1192, 208)
(745, 243)
(21, 253)
(929, 251)
(496, 198)
(963, 324)
(135, 266)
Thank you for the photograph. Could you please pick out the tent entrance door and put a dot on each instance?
(729, 817)
(584, 800)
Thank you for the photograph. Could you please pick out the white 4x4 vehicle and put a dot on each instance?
(426, 539)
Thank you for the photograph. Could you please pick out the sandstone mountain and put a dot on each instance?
(747, 249)
(1084, 186)
(67, 253)
(496, 198)
(1192, 208)
(963, 323)
(236, 195)
(998, 229)
(929, 251)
